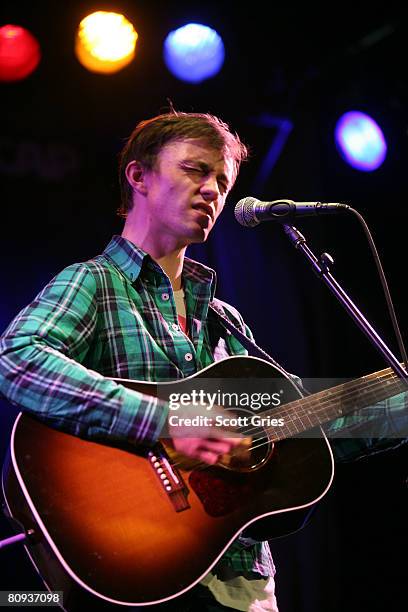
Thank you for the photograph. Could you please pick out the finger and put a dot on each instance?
(216, 446)
(207, 457)
(236, 441)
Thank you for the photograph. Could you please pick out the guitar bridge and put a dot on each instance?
(169, 478)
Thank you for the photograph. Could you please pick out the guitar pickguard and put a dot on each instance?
(223, 489)
(219, 496)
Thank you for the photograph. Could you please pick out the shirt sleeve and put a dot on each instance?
(372, 429)
(41, 371)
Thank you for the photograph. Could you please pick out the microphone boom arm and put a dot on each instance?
(321, 268)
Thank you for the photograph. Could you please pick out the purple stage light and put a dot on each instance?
(360, 141)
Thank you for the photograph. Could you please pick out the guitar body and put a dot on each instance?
(107, 531)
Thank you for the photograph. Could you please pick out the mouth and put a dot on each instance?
(204, 208)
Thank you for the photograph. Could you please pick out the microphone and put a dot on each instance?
(249, 212)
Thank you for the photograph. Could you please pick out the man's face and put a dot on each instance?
(186, 191)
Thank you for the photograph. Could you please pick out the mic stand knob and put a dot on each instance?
(326, 260)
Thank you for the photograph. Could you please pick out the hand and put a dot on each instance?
(195, 435)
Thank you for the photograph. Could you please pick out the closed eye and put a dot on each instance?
(204, 170)
(192, 169)
(223, 186)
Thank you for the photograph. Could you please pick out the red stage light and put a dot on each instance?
(19, 53)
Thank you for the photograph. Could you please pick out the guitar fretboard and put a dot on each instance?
(306, 413)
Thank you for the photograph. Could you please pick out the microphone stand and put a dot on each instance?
(322, 268)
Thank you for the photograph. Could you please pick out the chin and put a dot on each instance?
(198, 235)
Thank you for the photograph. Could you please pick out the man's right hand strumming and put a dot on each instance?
(204, 441)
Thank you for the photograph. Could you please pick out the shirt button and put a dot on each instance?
(175, 326)
(188, 356)
(165, 296)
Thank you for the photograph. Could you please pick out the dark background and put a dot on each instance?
(62, 129)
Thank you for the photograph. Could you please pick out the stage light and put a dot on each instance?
(194, 52)
(19, 53)
(105, 42)
(360, 141)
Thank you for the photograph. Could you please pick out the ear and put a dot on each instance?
(135, 174)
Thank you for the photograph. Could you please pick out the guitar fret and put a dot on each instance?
(311, 411)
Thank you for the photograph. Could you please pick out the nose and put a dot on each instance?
(209, 188)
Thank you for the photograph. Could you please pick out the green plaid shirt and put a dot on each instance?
(115, 316)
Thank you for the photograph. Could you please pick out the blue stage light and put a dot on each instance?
(194, 52)
(360, 141)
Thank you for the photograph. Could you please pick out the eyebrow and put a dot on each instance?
(205, 168)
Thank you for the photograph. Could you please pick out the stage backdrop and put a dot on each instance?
(62, 130)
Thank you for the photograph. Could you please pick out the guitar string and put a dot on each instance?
(328, 397)
(373, 389)
(289, 408)
(327, 400)
(376, 380)
(344, 396)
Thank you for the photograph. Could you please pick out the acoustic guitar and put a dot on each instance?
(124, 526)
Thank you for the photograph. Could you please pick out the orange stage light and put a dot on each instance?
(105, 42)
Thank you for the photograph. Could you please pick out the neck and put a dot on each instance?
(172, 264)
(163, 251)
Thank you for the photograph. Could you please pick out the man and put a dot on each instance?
(140, 311)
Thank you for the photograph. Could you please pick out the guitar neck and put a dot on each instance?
(306, 413)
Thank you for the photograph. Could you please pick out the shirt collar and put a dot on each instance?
(199, 274)
(126, 256)
(130, 259)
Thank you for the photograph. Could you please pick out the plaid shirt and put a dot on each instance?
(115, 316)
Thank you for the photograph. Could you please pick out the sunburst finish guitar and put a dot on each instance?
(118, 527)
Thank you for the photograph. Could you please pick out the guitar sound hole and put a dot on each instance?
(250, 455)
